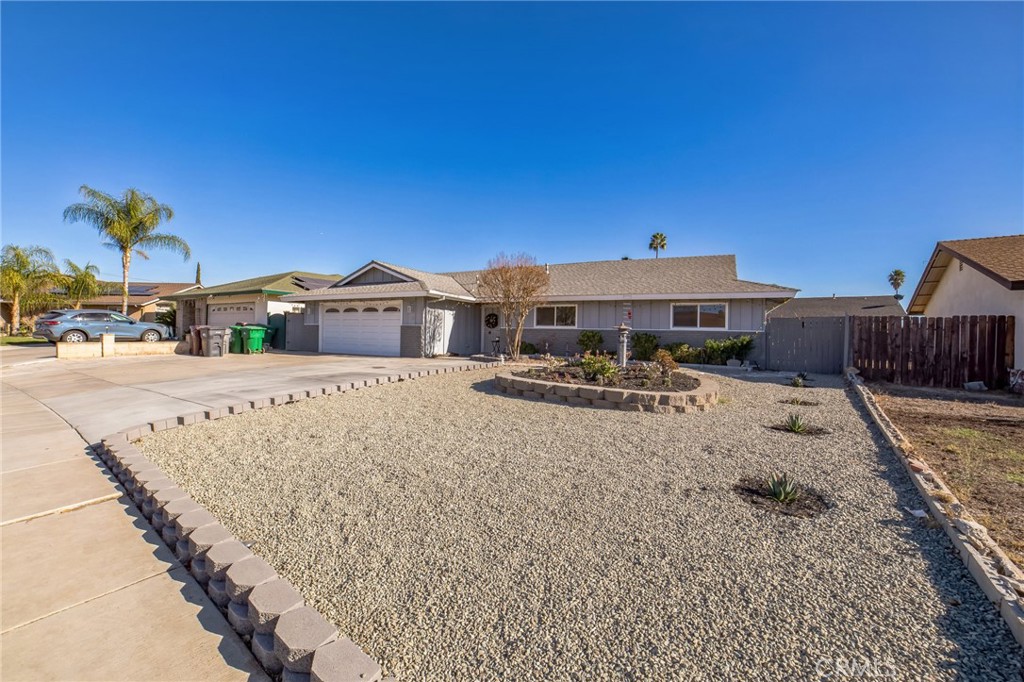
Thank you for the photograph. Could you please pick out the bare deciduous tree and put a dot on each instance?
(516, 285)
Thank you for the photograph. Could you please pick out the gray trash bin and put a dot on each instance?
(215, 341)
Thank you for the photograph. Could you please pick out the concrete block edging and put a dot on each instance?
(176, 517)
(1000, 579)
(699, 399)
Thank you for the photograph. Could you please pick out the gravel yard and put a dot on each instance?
(458, 534)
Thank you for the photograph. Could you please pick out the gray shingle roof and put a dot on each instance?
(829, 306)
(648, 276)
(681, 276)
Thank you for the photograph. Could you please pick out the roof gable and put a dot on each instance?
(999, 258)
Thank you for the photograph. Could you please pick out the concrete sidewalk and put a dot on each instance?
(88, 589)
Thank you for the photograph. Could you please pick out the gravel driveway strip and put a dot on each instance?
(459, 534)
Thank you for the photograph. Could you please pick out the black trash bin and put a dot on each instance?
(215, 341)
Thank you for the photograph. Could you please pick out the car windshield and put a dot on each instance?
(121, 318)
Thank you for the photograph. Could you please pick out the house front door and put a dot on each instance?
(492, 336)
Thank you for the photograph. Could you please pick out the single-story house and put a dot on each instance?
(145, 299)
(975, 277)
(248, 301)
(838, 306)
(385, 309)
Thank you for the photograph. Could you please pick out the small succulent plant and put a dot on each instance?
(783, 488)
(796, 424)
(797, 382)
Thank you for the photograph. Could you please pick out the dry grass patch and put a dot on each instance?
(976, 447)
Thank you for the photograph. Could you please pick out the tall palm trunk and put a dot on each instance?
(126, 262)
(15, 313)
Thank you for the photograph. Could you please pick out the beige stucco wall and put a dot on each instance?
(965, 291)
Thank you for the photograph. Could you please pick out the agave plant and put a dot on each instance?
(797, 382)
(783, 488)
(796, 423)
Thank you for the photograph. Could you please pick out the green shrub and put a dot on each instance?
(527, 348)
(797, 382)
(740, 347)
(598, 367)
(590, 341)
(644, 346)
(783, 488)
(683, 353)
(664, 358)
(714, 351)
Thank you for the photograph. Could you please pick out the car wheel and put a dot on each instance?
(151, 336)
(74, 336)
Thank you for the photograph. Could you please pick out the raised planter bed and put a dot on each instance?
(696, 400)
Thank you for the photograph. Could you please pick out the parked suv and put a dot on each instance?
(77, 326)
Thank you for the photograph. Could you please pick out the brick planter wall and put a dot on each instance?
(697, 400)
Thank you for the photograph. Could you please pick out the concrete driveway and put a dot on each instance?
(15, 354)
(88, 591)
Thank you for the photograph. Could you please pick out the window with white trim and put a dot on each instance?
(699, 315)
(312, 313)
(555, 316)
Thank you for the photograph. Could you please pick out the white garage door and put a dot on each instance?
(227, 314)
(359, 329)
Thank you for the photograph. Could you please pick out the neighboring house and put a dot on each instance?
(145, 299)
(838, 306)
(975, 277)
(248, 301)
(384, 309)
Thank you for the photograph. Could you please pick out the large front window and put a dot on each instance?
(698, 315)
(556, 316)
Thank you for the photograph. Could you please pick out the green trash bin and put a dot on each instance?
(252, 337)
(235, 345)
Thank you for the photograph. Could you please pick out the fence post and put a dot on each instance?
(846, 342)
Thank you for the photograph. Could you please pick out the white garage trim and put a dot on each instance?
(361, 328)
(227, 314)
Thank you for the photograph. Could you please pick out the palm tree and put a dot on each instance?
(128, 224)
(896, 279)
(26, 276)
(81, 283)
(658, 243)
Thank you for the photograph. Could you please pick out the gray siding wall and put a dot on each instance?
(300, 336)
(373, 276)
(465, 338)
(412, 310)
(744, 315)
(411, 342)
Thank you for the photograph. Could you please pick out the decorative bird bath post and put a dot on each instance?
(623, 343)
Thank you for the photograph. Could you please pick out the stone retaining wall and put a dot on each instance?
(1000, 579)
(697, 400)
(291, 640)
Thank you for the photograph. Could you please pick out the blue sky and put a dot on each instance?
(824, 144)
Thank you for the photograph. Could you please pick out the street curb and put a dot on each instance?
(1000, 579)
(299, 651)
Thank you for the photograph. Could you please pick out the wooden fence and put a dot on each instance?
(934, 351)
